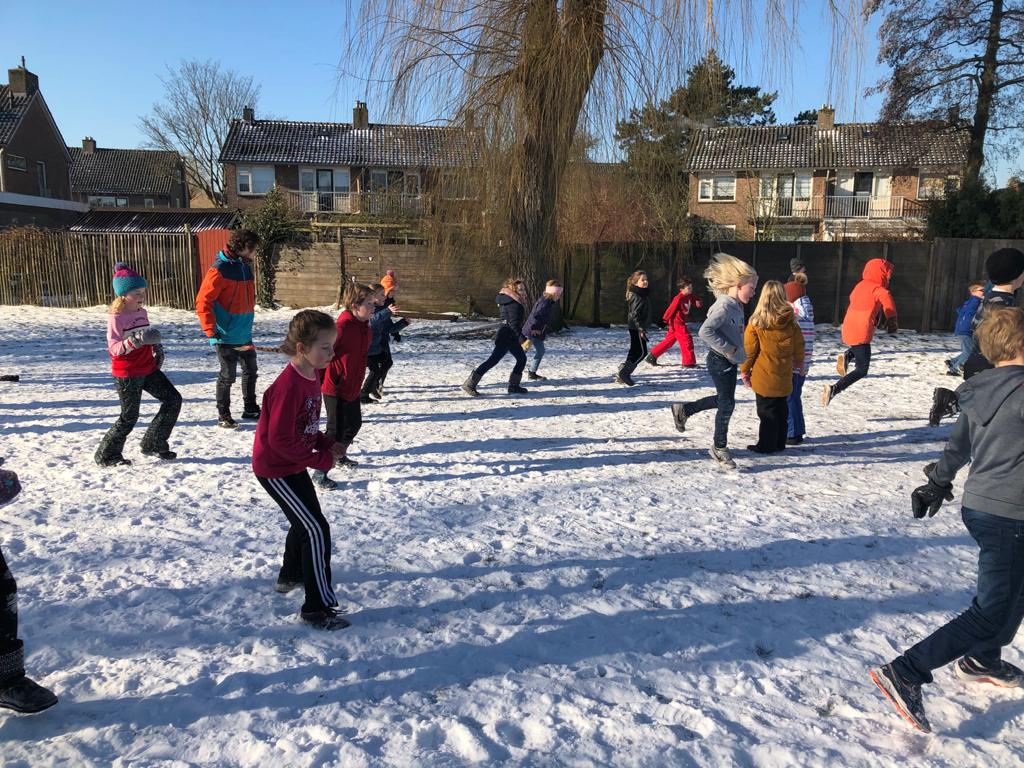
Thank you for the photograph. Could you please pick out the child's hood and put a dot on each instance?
(983, 396)
(878, 271)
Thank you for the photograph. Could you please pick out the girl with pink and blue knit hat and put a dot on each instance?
(136, 355)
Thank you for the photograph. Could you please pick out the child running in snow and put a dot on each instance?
(676, 316)
(987, 435)
(964, 328)
(535, 329)
(734, 282)
(136, 356)
(511, 300)
(379, 360)
(774, 347)
(17, 691)
(869, 298)
(638, 317)
(287, 443)
(796, 294)
(344, 377)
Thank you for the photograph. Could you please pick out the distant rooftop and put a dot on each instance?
(124, 171)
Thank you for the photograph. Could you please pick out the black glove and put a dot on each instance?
(396, 336)
(891, 326)
(663, 324)
(928, 498)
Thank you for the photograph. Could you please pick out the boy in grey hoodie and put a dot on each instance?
(988, 435)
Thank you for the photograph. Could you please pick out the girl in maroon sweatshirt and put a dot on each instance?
(343, 380)
(288, 441)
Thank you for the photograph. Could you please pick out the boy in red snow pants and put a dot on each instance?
(675, 316)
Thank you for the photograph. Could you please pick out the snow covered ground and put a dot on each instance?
(558, 578)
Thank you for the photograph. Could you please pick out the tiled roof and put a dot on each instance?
(389, 146)
(851, 145)
(124, 171)
(11, 109)
(150, 220)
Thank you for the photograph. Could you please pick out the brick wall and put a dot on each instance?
(35, 140)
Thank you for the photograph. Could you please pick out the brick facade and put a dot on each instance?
(37, 141)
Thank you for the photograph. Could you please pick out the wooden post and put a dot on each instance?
(929, 290)
(595, 309)
(840, 266)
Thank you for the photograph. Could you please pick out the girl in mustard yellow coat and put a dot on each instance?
(775, 349)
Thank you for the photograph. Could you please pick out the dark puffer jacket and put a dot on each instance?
(638, 308)
(513, 315)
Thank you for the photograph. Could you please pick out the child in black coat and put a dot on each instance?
(511, 302)
(638, 317)
(536, 327)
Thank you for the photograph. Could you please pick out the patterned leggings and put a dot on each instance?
(129, 391)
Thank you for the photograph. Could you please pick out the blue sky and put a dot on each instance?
(99, 64)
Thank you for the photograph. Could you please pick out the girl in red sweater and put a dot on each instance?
(287, 443)
(343, 380)
(676, 316)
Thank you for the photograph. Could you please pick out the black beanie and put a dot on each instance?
(1004, 266)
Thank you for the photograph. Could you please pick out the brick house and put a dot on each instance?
(35, 183)
(822, 182)
(343, 169)
(142, 178)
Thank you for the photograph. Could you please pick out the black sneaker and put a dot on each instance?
(535, 376)
(515, 389)
(227, 423)
(321, 480)
(794, 441)
(366, 400)
(284, 586)
(679, 416)
(1005, 675)
(162, 455)
(113, 461)
(904, 696)
(944, 403)
(326, 619)
(651, 360)
(345, 461)
(26, 696)
(723, 457)
(251, 414)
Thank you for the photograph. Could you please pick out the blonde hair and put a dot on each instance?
(800, 277)
(633, 280)
(725, 272)
(772, 308)
(1001, 333)
(117, 305)
(511, 283)
(554, 284)
(976, 286)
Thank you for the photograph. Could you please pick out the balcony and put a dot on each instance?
(393, 204)
(840, 207)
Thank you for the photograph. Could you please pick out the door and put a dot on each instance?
(784, 193)
(325, 189)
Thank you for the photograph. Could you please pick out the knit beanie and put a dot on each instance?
(796, 264)
(1004, 266)
(126, 279)
(9, 486)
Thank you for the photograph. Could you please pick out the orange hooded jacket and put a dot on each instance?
(868, 297)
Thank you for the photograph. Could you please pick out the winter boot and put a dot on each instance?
(162, 455)
(651, 360)
(679, 416)
(827, 393)
(533, 376)
(469, 385)
(321, 480)
(514, 384)
(623, 376)
(17, 691)
(904, 696)
(842, 363)
(251, 413)
(944, 403)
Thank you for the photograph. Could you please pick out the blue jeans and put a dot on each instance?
(723, 373)
(538, 355)
(967, 345)
(996, 611)
(795, 424)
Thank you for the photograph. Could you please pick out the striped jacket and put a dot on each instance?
(226, 300)
(805, 319)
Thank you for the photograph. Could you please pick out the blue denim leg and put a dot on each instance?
(538, 354)
(967, 345)
(723, 373)
(795, 423)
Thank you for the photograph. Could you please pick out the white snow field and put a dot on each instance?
(552, 579)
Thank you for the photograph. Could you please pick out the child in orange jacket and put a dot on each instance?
(869, 298)
(676, 316)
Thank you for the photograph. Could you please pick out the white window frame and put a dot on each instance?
(711, 183)
(149, 202)
(940, 192)
(17, 163)
(248, 174)
(110, 201)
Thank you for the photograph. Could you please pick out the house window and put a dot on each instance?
(717, 187)
(150, 203)
(108, 200)
(17, 163)
(255, 180)
(307, 180)
(933, 186)
(378, 180)
(44, 188)
(863, 181)
(802, 185)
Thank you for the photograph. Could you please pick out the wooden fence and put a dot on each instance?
(71, 269)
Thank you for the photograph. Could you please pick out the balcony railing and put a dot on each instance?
(840, 207)
(367, 203)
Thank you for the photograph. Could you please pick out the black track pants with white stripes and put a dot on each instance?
(307, 550)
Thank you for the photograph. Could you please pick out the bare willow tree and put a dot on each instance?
(526, 74)
(200, 99)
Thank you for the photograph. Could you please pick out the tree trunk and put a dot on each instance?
(986, 93)
(560, 53)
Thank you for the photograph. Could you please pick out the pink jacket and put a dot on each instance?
(126, 361)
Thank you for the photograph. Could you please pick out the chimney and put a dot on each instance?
(249, 115)
(826, 117)
(22, 82)
(88, 145)
(360, 115)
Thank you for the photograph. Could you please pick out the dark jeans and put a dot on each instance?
(129, 391)
(506, 341)
(637, 351)
(996, 611)
(344, 419)
(773, 413)
(229, 358)
(307, 550)
(8, 609)
(861, 354)
(377, 367)
(795, 422)
(723, 373)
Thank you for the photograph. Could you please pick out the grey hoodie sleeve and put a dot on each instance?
(713, 334)
(956, 454)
